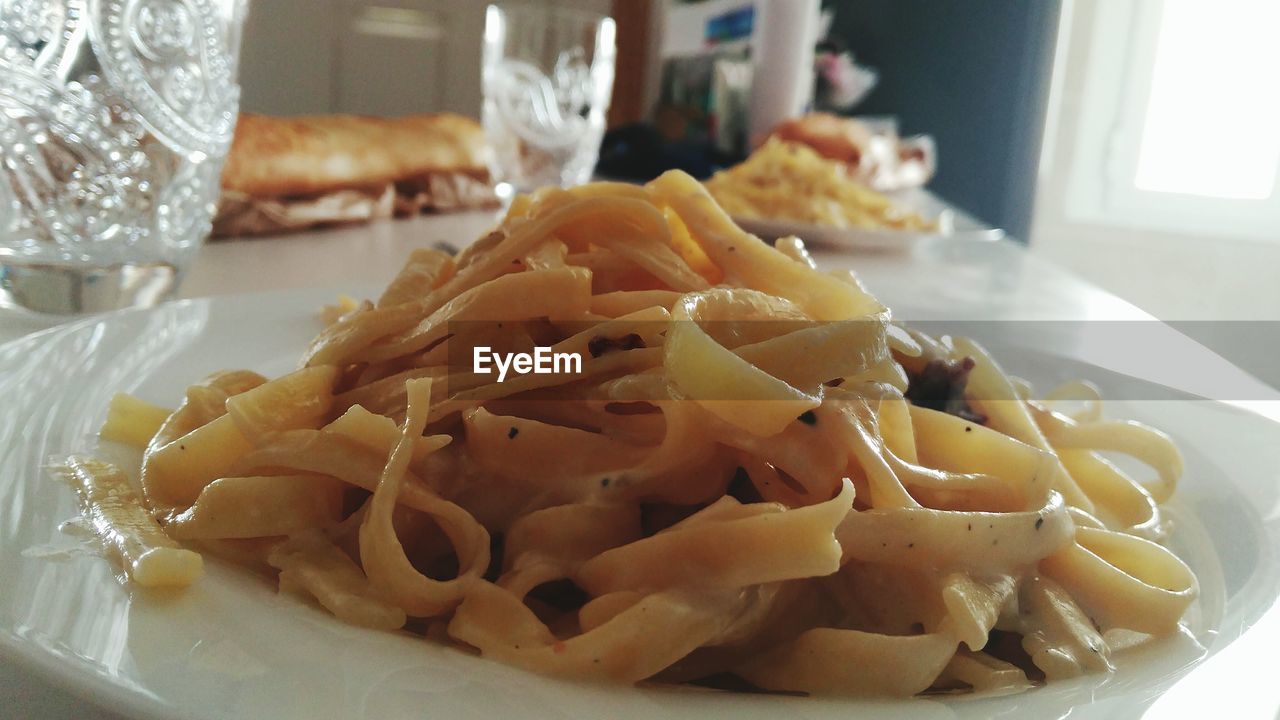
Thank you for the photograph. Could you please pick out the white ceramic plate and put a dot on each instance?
(233, 648)
(951, 225)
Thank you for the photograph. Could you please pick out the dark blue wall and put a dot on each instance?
(975, 75)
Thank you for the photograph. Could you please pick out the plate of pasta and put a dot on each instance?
(786, 188)
(754, 493)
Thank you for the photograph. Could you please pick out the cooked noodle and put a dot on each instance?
(785, 180)
(734, 482)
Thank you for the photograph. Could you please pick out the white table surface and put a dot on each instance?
(944, 280)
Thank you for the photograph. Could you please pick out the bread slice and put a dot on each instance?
(293, 173)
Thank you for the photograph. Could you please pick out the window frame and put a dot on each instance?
(1101, 187)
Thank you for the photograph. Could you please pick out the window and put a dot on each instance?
(1185, 129)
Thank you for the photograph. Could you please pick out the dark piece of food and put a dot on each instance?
(940, 386)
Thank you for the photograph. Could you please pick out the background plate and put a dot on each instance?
(952, 223)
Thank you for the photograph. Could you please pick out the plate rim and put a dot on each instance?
(855, 239)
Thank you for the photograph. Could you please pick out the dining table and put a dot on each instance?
(975, 274)
(981, 283)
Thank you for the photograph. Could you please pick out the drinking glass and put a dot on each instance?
(547, 79)
(115, 119)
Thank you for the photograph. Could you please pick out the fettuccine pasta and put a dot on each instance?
(789, 181)
(753, 475)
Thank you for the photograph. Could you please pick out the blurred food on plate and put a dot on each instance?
(791, 181)
(873, 151)
(293, 173)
